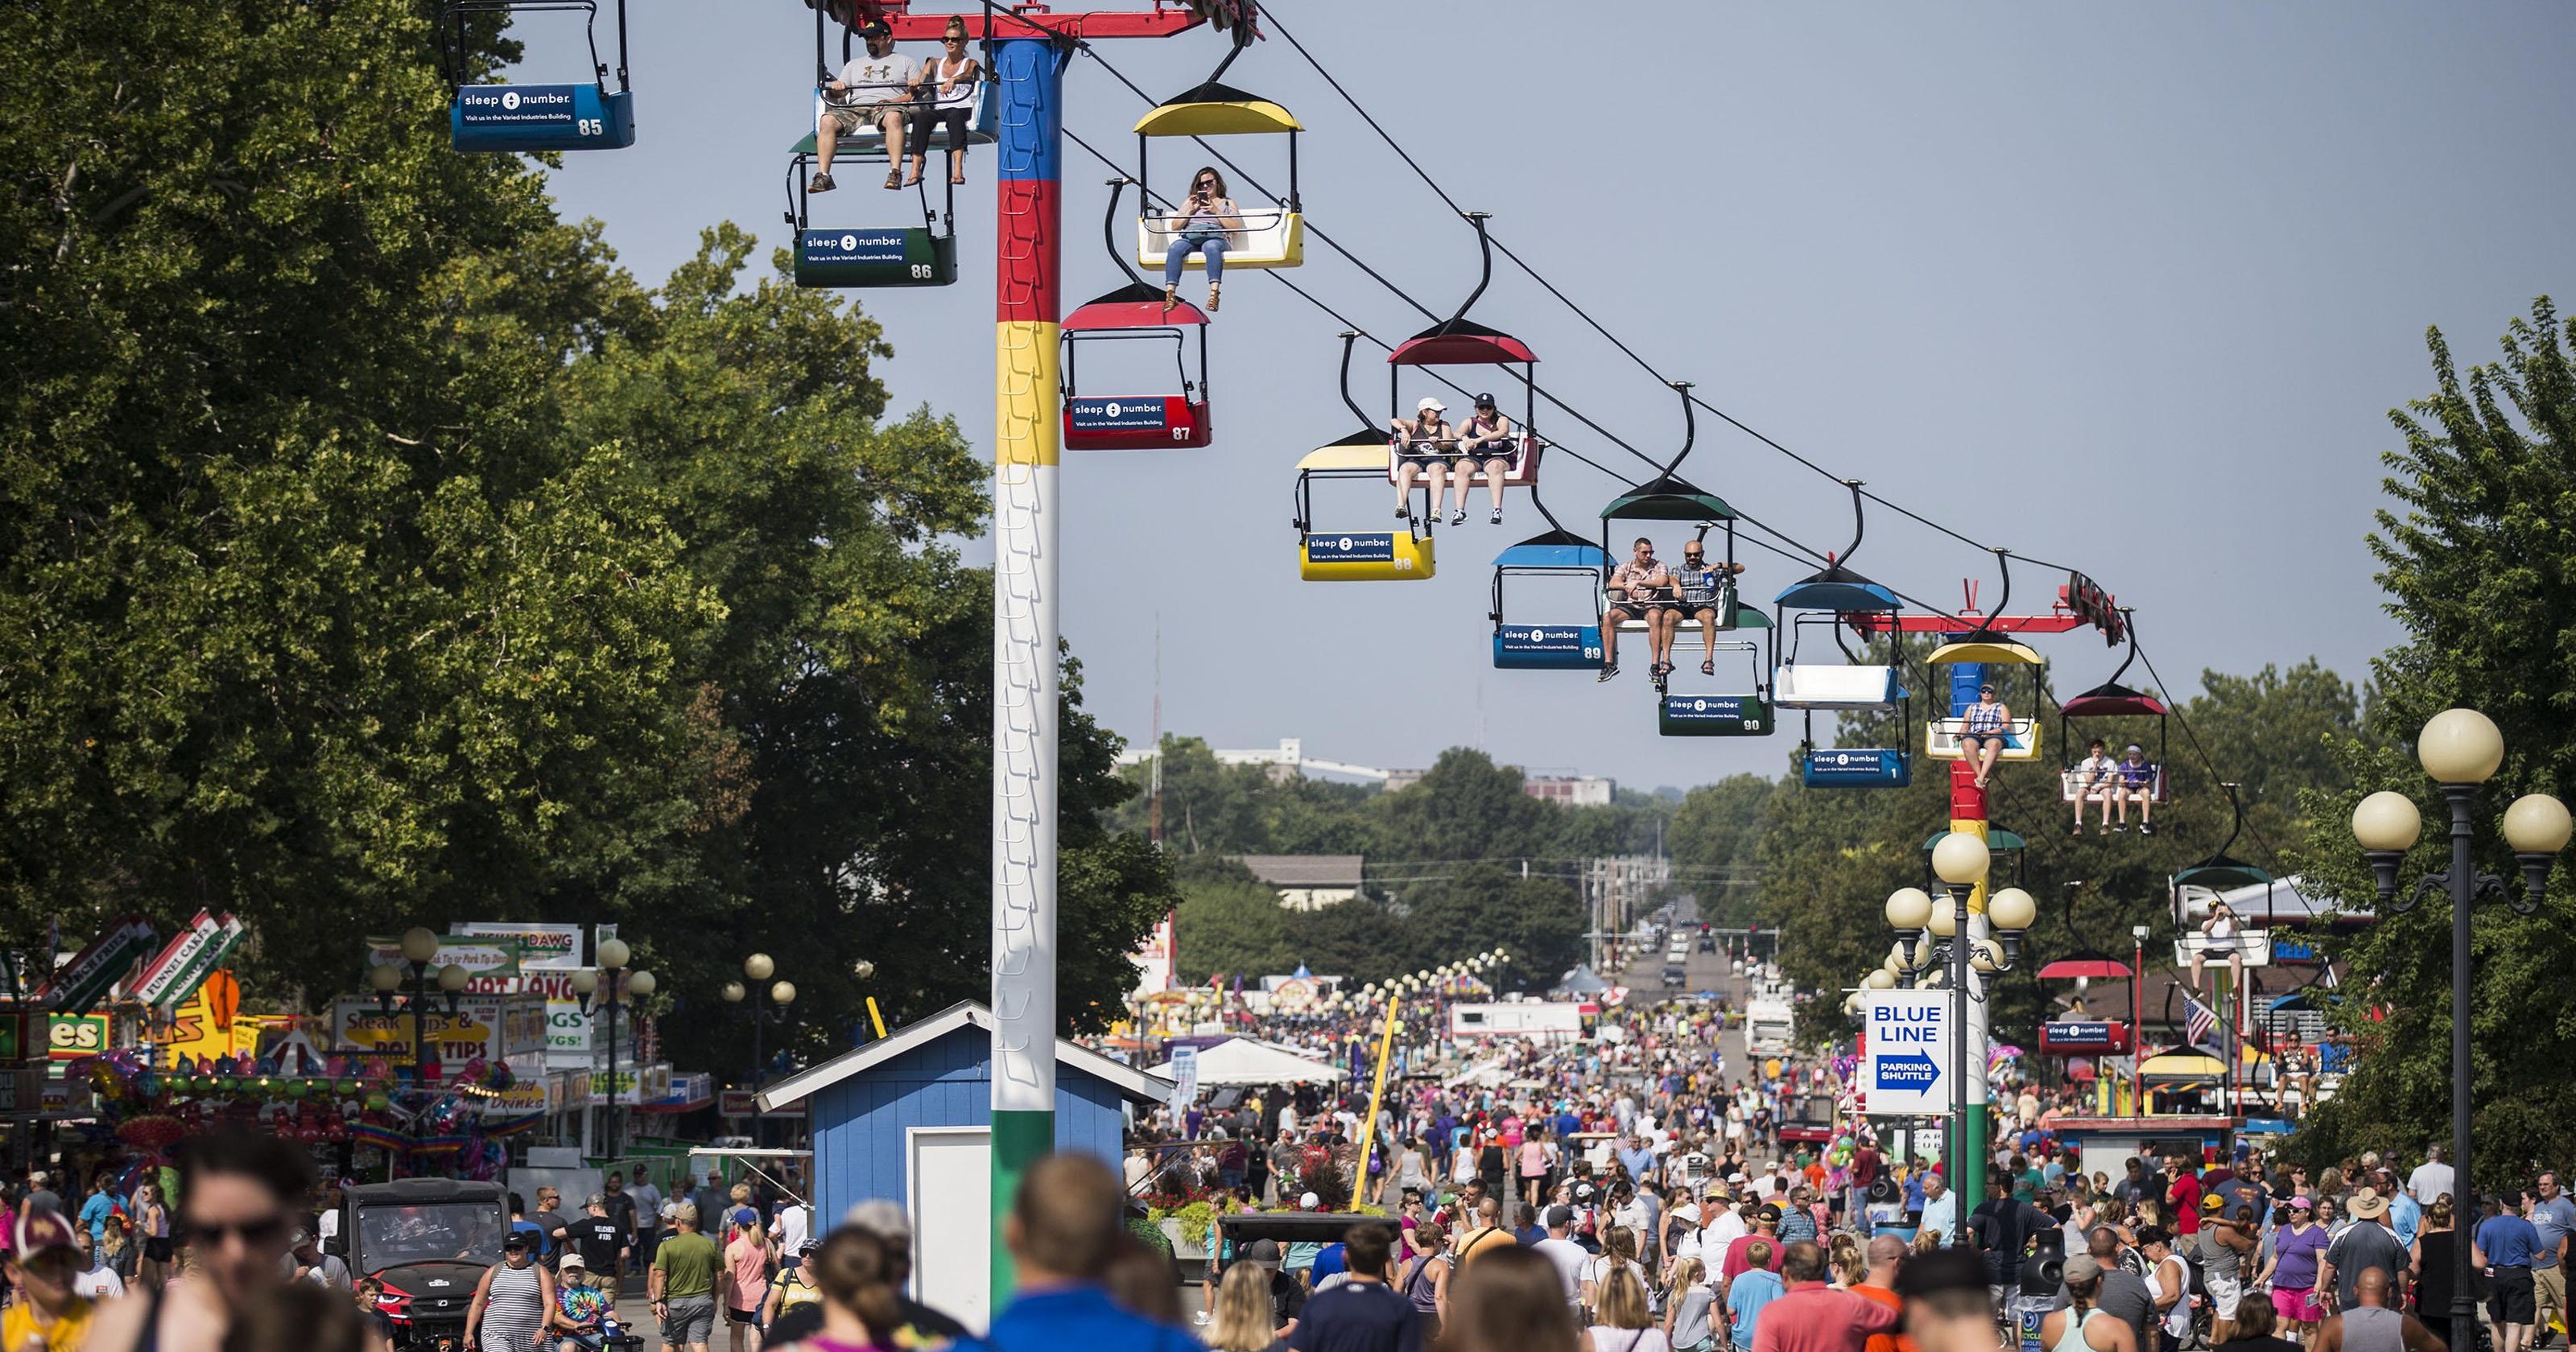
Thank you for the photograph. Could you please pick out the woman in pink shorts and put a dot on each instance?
(2296, 1247)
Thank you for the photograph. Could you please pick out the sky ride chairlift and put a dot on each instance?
(1460, 341)
(1135, 312)
(1272, 236)
(1355, 556)
(1993, 648)
(1574, 646)
(1829, 597)
(1667, 497)
(873, 256)
(535, 117)
(2111, 700)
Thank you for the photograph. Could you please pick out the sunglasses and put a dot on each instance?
(268, 1230)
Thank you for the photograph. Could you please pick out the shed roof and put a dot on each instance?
(806, 1083)
(1305, 870)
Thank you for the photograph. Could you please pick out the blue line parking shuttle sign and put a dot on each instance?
(1907, 1072)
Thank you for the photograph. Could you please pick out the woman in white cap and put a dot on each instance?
(1422, 448)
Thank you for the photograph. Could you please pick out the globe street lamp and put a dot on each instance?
(2461, 749)
(759, 967)
(419, 949)
(1968, 961)
(588, 984)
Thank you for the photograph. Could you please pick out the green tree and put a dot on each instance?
(1464, 807)
(2475, 557)
(1231, 923)
(309, 606)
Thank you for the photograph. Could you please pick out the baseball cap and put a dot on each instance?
(1484, 401)
(1262, 1251)
(875, 28)
(1558, 1217)
(1770, 1211)
(38, 1231)
(2081, 1267)
(1429, 403)
(572, 1259)
(2214, 1201)
(516, 1239)
(2301, 1203)
(2137, 748)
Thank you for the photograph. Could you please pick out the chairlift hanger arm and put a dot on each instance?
(1690, 421)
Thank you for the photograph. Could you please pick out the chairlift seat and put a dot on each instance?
(1941, 739)
(1743, 617)
(1522, 474)
(1139, 422)
(875, 256)
(868, 143)
(1822, 686)
(2254, 945)
(539, 117)
(2067, 786)
(1271, 237)
(1358, 556)
(1845, 767)
(1547, 647)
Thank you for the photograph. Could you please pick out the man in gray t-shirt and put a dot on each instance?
(2368, 1244)
(2124, 1293)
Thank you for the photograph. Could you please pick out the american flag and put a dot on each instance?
(2199, 1022)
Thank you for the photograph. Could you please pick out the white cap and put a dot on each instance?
(1430, 404)
(1309, 1202)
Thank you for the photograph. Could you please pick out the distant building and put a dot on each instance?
(1571, 790)
(1307, 881)
(1399, 780)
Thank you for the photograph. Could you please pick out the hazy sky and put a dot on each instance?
(2129, 288)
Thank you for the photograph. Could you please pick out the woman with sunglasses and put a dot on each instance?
(241, 1194)
(953, 78)
(511, 1304)
(1205, 224)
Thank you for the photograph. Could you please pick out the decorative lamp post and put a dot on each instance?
(1965, 961)
(2461, 749)
(605, 983)
(419, 950)
(781, 994)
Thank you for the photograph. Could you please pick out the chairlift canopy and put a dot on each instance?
(1213, 109)
(1666, 498)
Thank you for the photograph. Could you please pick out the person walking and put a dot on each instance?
(2084, 1326)
(2505, 1245)
(682, 1284)
(2553, 1218)
(2431, 1257)
(512, 1303)
(1363, 1313)
(1510, 1300)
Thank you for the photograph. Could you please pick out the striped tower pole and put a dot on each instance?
(1968, 1145)
(1027, 392)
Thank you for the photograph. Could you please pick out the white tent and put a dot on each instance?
(1242, 1061)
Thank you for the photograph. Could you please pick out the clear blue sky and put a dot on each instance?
(2128, 288)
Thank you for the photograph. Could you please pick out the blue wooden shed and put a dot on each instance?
(908, 1118)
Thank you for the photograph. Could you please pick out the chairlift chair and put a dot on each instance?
(1828, 598)
(1272, 236)
(1402, 555)
(2111, 700)
(1460, 341)
(1684, 713)
(1522, 646)
(1127, 422)
(492, 116)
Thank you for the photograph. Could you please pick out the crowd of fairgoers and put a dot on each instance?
(1676, 1197)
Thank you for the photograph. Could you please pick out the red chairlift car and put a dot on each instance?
(1137, 422)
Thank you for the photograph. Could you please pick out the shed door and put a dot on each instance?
(951, 1200)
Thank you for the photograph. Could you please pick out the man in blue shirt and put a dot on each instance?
(2553, 1216)
(95, 1212)
(1063, 1227)
(1363, 1314)
(2505, 1246)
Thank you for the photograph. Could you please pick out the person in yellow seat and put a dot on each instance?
(48, 1316)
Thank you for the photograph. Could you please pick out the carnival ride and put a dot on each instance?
(1876, 684)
